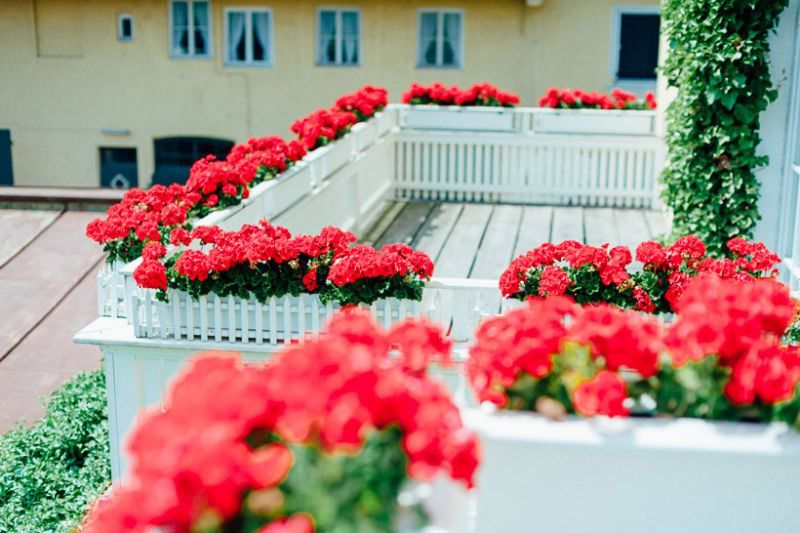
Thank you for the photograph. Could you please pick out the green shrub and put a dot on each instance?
(719, 61)
(51, 472)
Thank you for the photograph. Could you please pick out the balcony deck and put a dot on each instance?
(479, 240)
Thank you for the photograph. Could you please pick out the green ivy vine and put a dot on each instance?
(719, 62)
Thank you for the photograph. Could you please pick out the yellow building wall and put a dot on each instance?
(58, 92)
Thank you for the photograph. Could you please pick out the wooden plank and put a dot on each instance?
(437, 228)
(383, 222)
(534, 229)
(567, 224)
(498, 243)
(39, 277)
(657, 223)
(601, 227)
(632, 227)
(495, 253)
(459, 251)
(407, 224)
(18, 227)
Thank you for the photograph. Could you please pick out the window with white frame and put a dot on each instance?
(125, 27)
(339, 32)
(440, 39)
(190, 28)
(248, 36)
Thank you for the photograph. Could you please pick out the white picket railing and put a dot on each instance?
(527, 168)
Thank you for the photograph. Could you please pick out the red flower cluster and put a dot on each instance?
(364, 103)
(536, 341)
(556, 269)
(264, 157)
(480, 94)
(676, 265)
(365, 262)
(151, 215)
(595, 274)
(323, 126)
(742, 324)
(538, 350)
(236, 262)
(578, 99)
(216, 441)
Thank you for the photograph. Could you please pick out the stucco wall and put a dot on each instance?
(56, 105)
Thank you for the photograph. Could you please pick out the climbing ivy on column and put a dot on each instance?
(719, 62)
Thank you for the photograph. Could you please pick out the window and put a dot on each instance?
(248, 36)
(118, 168)
(635, 42)
(125, 27)
(339, 32)
(190, 29)
(440, 39)
(176, 155)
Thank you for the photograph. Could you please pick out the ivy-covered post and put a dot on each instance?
(719, 62)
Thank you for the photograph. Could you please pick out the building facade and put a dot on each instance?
(122, 93)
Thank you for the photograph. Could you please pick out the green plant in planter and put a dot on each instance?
(719, 61)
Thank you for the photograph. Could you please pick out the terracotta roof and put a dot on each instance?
(47, 293)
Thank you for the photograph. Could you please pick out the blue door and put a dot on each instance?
(6, 170)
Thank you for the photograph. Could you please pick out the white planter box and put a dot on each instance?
(364, 135)
(327, 159)
(594, 122)
(425, 117)
(232, 319)
(385, 121)
(634, 475)
(286, 189)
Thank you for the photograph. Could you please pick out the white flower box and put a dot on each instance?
(364, 135)
(385, 121)
(232, 319)
(326, 160)
(448, 118)
(594, 122)
(285, 190)
(633, 475)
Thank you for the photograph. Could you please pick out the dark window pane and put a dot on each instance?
(638, 54)
(127, 28)
(175, 156)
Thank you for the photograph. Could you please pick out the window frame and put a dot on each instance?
(615, 38)
(191, 55)
(338, 11)
(248, 12)
(440, 13)
(120, 18)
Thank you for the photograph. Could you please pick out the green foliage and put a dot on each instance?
(719, 61)
(51, 472)
(346, 493)
(368, 290)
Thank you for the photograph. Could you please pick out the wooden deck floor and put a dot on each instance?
(479, 240)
